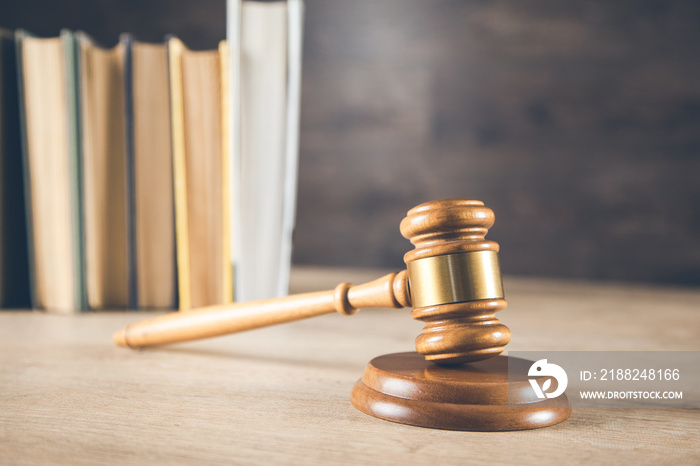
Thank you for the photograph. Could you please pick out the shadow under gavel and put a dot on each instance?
(452, 281)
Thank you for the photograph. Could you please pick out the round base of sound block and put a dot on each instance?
(405, 388)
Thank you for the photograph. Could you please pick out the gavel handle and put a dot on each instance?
(390, 291)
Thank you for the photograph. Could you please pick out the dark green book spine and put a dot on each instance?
(70, 48)
(127, 40)
(14, 260)
(19, 37)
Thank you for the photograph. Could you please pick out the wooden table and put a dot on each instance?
(281, 395)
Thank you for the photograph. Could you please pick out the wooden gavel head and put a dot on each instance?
(455, 281)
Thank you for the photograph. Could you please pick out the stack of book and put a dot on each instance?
(150, 175)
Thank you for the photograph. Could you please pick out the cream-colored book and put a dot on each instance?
(198, 84)
(104, 174)
(153, 216)
(50, 123)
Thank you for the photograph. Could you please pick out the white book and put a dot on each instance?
(265, 43)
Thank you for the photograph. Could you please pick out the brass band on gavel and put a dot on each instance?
(455, 278)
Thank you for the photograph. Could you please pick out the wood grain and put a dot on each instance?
(281, 395)
(578, 123)
(405, 388)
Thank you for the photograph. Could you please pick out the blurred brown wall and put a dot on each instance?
(577, 122)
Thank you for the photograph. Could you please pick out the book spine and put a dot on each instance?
(70, 51)
(233, 39)
(227, 272)
(127, 42)
(14, 275)
(177, 112)
(295, 17)
(34, 298)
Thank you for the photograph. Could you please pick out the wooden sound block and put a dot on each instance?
(405, 388)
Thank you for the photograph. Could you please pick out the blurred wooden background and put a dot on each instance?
(577, 122)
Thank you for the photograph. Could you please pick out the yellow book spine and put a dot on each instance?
(225, 178)
(175, 48)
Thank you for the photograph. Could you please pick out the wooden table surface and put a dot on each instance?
(281, 395)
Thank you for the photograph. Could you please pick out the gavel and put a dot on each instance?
(452, 281)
